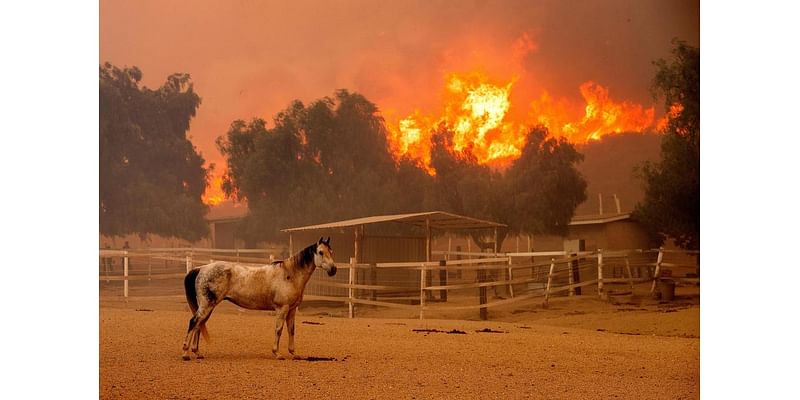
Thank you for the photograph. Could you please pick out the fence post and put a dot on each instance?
(149, 267)
(482, 298)
(125, 273)
(549, 281)
(600, 272)
(351, 279)
(657, 272)
(188, 261)
(511, 274)
(421, 291)
(571, 273)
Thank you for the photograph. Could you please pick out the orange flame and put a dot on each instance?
(476, 110)
(674, 111)
(214, 194)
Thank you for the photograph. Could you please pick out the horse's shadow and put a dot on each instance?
(267, 356)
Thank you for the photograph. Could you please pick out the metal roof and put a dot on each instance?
(598, 219)
(438, 220)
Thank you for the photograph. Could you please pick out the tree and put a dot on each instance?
(543, 187)
(325, 161)
(151, 176)
(671, 205)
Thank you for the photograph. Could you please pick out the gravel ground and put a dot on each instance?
(577, 348)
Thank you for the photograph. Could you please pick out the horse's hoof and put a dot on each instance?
(186, 357)
(200, 357)
(280, 357)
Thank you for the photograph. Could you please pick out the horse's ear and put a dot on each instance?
(320, 240)
(328, 242)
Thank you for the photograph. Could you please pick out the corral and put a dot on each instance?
(624, 344)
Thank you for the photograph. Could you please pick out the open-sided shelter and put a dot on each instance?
(386, 243)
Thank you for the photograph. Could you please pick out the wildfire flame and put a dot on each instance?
(214, 194)
(476, 110)
(674, 111)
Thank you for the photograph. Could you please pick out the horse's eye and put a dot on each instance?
(320, 252)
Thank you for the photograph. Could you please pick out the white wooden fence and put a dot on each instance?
(521, 277)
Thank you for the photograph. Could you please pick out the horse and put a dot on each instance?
(277, 286)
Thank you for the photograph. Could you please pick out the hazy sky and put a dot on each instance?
(252, 58)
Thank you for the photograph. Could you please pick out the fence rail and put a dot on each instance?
(522, 277)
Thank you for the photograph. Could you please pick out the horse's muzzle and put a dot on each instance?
(332, 271)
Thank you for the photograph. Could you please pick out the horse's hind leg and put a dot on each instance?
(203, 314)
(280, 318)
(197, 321)
(189, 336)
(290, 326)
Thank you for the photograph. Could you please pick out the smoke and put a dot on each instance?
(251, 58)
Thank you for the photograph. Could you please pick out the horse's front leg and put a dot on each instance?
(290, 325)
(280, 318)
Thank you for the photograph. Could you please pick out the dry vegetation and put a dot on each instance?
(577, 348)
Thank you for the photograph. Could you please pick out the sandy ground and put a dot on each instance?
(577, 348)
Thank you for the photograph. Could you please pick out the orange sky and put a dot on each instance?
(251, 58)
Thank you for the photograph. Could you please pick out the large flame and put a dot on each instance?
(214, 194)
(477, 110)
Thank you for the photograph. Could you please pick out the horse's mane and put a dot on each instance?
(305, 256)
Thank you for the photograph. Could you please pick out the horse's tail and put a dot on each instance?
(191, 297)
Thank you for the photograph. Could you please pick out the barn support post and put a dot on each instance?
(600, 272)
(149, 267)
(449, 247)
(549, 282)
(188, 261)
(351, 279)
(291, 245)
(125, 273)
(657, 272)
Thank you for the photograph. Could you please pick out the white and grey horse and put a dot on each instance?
(277, 286)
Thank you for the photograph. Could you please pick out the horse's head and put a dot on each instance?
(323, 257)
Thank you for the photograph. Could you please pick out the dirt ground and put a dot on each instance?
(579, 347)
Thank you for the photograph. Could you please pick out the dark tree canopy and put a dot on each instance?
(543, 187)
(151, 176)
(671, 207)
(325, 161)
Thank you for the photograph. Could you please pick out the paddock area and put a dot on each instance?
(577, 347)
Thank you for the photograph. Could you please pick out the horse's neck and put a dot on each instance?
(301, 271)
